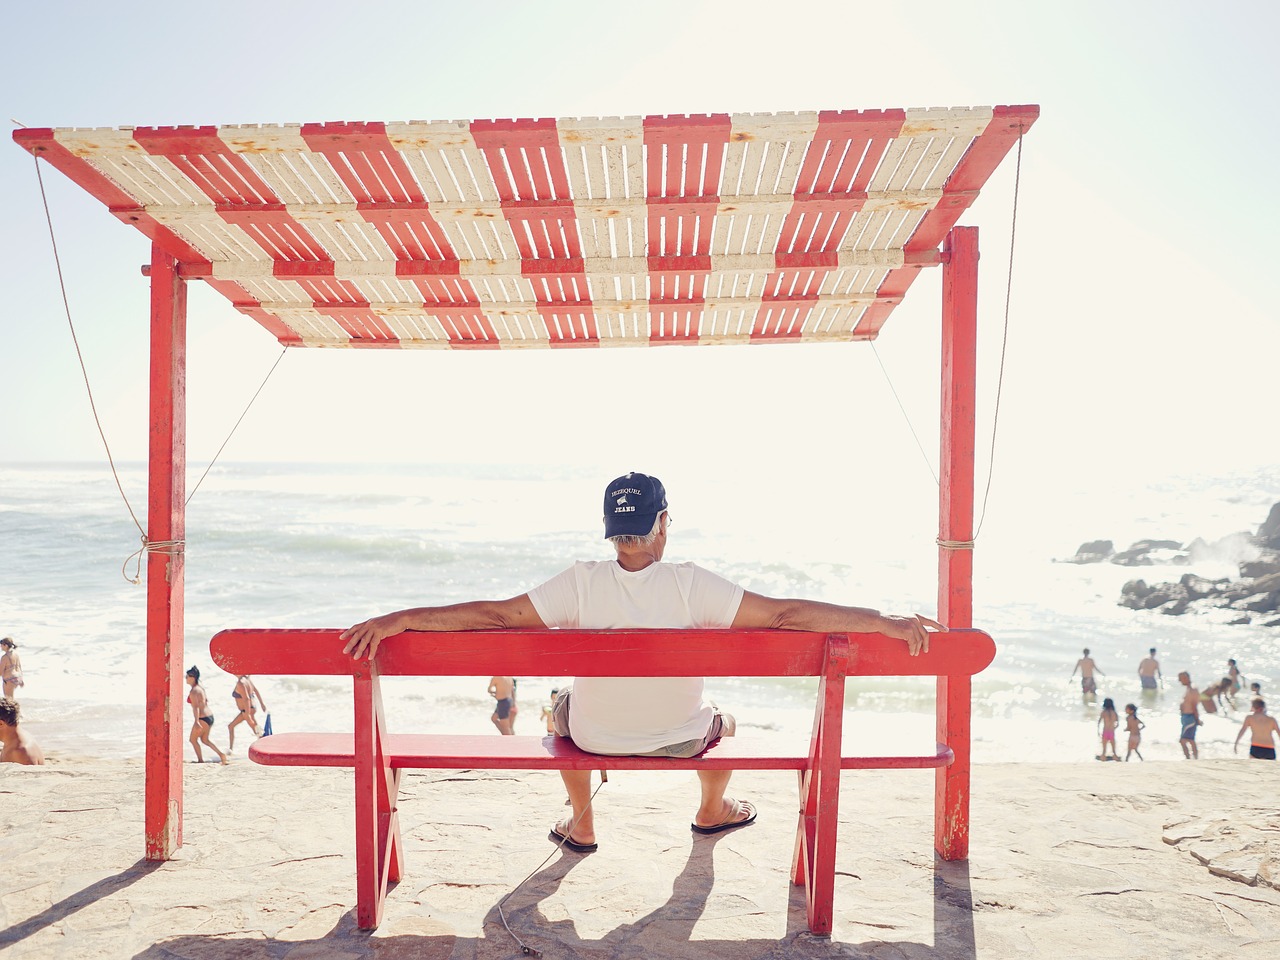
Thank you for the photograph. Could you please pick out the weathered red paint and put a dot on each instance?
(955, 525)
(594, 653)
(379, 857)
(166, 523)
(448, 751)
(378, 757)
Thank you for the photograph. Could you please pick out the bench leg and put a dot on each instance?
(379, 849)
(814, 863)
(951, 783)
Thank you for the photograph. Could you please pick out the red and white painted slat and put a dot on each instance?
(599, 231)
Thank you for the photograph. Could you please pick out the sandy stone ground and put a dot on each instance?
(1106, 861)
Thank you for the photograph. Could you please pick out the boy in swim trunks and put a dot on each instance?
(503, 689)
(1263, 729)
(1087, 668)
(1148, 670)
(1190, 718)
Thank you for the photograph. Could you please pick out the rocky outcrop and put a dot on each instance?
(1256, 592)
(1094, 551)
(1269, 533)
(1140, 554)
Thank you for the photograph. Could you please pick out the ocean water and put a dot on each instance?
(290, 545)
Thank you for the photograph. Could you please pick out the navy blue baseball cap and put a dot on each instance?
(632, 504)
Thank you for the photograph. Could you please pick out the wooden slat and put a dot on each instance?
(461, 751)
(591, 213)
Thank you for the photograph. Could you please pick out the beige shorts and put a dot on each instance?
(722, 725)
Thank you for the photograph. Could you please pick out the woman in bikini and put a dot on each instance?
(247, 699)
(203, 718)
(11, 668)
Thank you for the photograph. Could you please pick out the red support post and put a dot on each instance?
(166, 532)
(955, 529)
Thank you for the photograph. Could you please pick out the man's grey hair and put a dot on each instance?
(644, 541)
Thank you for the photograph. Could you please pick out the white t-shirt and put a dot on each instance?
(625, 715)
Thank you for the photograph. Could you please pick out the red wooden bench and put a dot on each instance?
(379, 757)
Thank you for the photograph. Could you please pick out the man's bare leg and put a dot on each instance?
(715, 808)
(577, 783)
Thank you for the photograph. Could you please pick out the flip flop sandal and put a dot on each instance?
(556, 837)
(732, 823)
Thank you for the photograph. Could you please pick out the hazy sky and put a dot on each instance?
(1144, 330)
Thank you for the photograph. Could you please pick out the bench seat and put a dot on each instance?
(379, 757)
(452, 751)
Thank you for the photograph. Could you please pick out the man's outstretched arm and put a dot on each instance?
(514, 614)
(759, 612)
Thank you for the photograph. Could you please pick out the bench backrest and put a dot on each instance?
(600, 653)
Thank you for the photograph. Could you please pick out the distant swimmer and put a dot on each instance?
(203, 717)
(503, 689)
(1134, 726)
(11, 668)
(1149, 670)
(15, 745)
(1263, 730)
(1087, 669)
(1190, 718)
(1237, 679)
(1207, 703)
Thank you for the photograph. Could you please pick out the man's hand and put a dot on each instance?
(913, 630)
(363, 638)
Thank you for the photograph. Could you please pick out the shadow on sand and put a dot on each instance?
(57, 912)
(665, 932)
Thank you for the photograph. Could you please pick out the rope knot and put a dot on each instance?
(168, 548)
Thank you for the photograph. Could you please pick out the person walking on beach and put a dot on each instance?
(1263, 730)
(15, 745)
(503, 689)
(1148, 670)
(1190, 717)
(11, 668)
(620, 716)
(1134, 726)
(1108, 720)
(1087, 668)
(203, 718)
(247, 699)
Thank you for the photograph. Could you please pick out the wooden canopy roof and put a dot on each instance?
(611, 231)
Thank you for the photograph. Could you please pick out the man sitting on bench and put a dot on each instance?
(646, 716)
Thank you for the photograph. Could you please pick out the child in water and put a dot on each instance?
(1108, 720)
(1134, 726)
